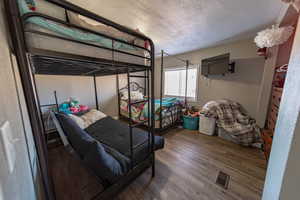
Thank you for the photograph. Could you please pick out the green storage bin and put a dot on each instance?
(191, 123)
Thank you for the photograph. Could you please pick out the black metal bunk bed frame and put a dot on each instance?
(163, 53)
(28, 57)
(174, 122)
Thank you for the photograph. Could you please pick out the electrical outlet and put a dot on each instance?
(7, 143)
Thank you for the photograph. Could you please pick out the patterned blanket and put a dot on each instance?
(166, 103)
(234, 120)
(171, 110)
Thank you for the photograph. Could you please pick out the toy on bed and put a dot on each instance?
(31, 4)
(72, 106)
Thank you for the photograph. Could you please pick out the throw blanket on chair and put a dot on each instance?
(234, 120)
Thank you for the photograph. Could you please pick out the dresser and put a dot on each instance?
(281, 67)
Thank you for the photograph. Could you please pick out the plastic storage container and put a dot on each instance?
(207, 125)
(190, 123)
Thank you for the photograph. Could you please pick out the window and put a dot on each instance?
(175, 80)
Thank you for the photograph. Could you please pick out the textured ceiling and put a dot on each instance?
(184, 25)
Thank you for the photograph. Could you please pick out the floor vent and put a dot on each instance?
(223, 179)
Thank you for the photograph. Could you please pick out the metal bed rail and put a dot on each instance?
(93, 65)
(131, 122)
(68, 24)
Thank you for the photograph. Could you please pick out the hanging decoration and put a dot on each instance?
(295, 3)
(273, 36)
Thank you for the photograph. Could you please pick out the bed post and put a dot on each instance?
(186, 82)
(161, 88)
(152, 105)
(145, 83)
(56, 101)
(130, 116)
(148, 110)
(96, 92)
(118, 94)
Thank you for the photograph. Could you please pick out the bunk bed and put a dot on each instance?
(53, 45)
(167, 110)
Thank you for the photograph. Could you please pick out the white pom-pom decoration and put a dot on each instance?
(273, 36)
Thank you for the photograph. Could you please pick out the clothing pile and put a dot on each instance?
(234, 120)
(191, 111)
(72, 106)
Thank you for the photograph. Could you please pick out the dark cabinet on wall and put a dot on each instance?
(283, 56)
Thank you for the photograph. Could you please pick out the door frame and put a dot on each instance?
(18, 48)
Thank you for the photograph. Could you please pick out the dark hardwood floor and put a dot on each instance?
(186, 168)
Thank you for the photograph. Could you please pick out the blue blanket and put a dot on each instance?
(166, 102)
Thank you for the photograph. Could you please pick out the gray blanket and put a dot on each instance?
(234, 120)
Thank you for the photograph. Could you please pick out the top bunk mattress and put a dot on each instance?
(36, 24)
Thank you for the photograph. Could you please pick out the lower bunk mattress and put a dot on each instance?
(104, 146)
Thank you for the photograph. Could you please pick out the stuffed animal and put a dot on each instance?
(65, 107)
(74, 102)
(31, 5)
(83, 108)
(72, 106)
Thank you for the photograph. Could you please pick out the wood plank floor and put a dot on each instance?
(185, 169)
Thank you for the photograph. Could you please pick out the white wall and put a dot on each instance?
(82, 88)
(79, 87)
(282, 181)
(23, 181)
(242, 86)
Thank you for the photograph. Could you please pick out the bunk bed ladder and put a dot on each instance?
(132, 124)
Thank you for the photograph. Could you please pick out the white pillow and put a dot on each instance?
(134, 95)
(88, 118)
(92, 116)
(79, 121)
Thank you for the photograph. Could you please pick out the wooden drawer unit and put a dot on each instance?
(271, 124)
(267, 136)
(273, 108)
(273, 114)
(276, 96)
(272, 118)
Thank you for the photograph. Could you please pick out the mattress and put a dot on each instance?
(47, 43)
(105, 145)
(115, 134)
(40, 24)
